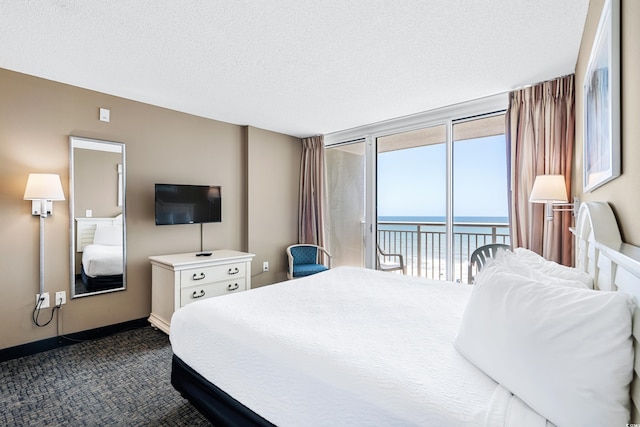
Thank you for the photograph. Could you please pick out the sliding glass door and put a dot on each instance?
(346, 226)
(412, 199)
(431, 187)
(480, 189)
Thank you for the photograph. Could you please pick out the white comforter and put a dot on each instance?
(102, 260)
(345, 347)
(506, 409)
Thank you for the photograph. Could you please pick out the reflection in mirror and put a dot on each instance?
(97, 211)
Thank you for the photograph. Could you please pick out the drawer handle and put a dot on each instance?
(233, 287)
(195, 277)
(234, 271)
(195, 294)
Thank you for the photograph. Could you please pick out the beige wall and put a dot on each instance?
(36, 118)
(96, 183)
(271, 187)
(622, 192)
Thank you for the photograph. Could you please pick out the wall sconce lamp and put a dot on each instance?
(42, 189)
(552, 190)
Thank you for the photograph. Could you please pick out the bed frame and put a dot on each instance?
(211, 401)
(614, 265)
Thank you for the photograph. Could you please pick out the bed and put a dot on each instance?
(102, 260)
(359, 347)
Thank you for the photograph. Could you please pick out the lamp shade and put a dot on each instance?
(43, 186)
(549, 189)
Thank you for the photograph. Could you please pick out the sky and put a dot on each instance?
(412, 182)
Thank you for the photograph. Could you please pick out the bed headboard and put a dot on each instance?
(614, 265)
(86, 229)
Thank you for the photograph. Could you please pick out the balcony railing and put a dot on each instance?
(424, 245)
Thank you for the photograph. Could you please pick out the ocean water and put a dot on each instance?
(461, 224)
(457, 219)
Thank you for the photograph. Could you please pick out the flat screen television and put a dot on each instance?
(187, 204)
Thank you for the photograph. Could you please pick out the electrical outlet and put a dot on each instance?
(265, 266)
(61, 297)
(45, 300)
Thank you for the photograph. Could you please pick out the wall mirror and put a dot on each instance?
(97, 211)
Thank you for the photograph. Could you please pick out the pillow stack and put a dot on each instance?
(562, 348)
(551, 268)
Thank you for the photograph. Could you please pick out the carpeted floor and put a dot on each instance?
(121, 380)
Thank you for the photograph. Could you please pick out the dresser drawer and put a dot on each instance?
(197, 293)
(180, 279)
(196, 276)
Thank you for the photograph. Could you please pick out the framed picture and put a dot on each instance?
(602, 102)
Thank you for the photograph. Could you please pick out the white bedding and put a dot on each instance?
(346, 347)
(102, 260)
(506, 409)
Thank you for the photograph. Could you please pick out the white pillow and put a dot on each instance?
(507, 261)
(566, 352)
(108, 235)
(553, 268)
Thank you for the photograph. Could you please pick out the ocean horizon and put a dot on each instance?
(456, 219)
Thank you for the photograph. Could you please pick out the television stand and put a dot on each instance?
(180, 279)
(201, 238)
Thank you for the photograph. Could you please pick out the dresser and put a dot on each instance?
(180, 279)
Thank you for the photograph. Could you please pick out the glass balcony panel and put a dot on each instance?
(412, 197)
(480, 192)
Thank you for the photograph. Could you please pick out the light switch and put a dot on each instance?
(105, 115)
(88, 213)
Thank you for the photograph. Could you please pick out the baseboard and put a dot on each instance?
(68, 339)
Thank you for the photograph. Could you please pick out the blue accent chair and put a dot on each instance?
(307, 259)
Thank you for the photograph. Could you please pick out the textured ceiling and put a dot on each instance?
(299, 67)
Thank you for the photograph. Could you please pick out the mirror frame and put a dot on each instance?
(87, 143)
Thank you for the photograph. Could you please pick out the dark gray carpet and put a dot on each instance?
(121, 380)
